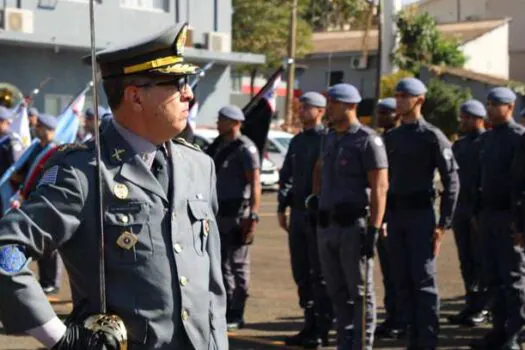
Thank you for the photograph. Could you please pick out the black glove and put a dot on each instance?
(77, 337)
(368, 242)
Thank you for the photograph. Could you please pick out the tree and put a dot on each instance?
(337, 14)
(442, 103)
(389, 82)
(262, 26)
(421, 43)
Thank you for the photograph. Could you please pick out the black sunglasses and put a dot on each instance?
(179, 83)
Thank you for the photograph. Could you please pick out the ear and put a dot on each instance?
(133, 97)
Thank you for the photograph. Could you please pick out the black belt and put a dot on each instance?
(344, 214)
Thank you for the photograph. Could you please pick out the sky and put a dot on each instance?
(408, 1)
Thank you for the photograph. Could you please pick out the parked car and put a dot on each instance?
(277, 146)
(269, 172)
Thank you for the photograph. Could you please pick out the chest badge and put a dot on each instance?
(121, 191)
(127, 240)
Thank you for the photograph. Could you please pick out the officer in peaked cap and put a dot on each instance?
(353, 162)
(415, 150)
(237, 163)
(466, 229)
(159, 205)
(295, 185)
(502, 170)
(10, 146)
(393, 325)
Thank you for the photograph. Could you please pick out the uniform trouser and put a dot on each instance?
(389, 300)
(344, 271)
(469, 245)
(504, 270)
(410, 234)
(235, 266)
(50, 269)
(306, 268)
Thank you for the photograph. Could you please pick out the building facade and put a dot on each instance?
(46, 39)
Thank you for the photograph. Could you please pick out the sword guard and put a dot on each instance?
(109, 324)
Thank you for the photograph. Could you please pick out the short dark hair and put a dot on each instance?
(114, 88)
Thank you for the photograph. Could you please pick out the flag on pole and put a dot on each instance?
(20, 125)
(258, 113)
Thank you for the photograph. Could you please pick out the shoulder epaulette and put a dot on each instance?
(183, 142)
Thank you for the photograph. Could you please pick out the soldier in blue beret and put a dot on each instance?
(349, 219)
(32, 114)
(393, 325)
(237, 163)
(465, 224)
(10, 146)
(89, 122)
(501, 172)
(295, 185)
(415, 150)
(162, 245)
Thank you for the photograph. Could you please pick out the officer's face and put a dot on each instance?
(385, 118)
(405, 103)
(43, 132)
(466, 123)
(336, 111)
(226, 125)
(4, 126)
(89, 125)
(165, 105)
(33, 120)
(309, 114)
(498, 112)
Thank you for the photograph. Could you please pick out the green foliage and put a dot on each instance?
(421, 43)
(261, 26)
(324, 14)
(442, 104)
(389, 82)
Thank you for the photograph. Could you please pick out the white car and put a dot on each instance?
(277, 146)
(269, 172)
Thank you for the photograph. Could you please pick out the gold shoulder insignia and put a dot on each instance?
(68, 147)
(183, 142)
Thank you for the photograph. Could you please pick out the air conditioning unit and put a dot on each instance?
(218, 42)
(18, 20)
(359, 63)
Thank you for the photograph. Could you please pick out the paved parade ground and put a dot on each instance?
(273, 311)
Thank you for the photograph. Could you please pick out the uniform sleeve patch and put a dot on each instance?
(378, 141)
(252, 149)
(49, 177)
(12, 258)
(447, 154)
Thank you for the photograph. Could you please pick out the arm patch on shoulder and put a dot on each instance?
(12, 258)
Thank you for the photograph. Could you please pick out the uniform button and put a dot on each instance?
(184, 315)
(183, 281)
(177, 247)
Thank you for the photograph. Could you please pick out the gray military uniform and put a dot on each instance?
(344, 199)
(234, 194)
(414, 152)
(167, 285)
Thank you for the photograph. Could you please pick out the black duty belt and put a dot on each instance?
(343, 214)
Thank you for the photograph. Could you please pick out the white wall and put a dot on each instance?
(489, 53)
(447, 10)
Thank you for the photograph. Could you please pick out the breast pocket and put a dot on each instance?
(201, 222)
(128, 235)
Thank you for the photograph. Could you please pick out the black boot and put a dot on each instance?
(308, 331)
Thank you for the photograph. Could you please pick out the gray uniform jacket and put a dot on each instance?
(169, 280)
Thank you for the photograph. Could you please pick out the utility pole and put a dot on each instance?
(291, 65)
(379, 68)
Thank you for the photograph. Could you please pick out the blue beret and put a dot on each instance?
(387, 103)
(33, 111)
(501, 95)
(345, 93)
(411, 86)
(48, 120)
(5, 113)
(474, 108)
(90, 113)
(232, 112)
(313, 99)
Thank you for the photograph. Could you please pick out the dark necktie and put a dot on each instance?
(160, 169)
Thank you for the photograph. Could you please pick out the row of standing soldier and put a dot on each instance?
(332, 233)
